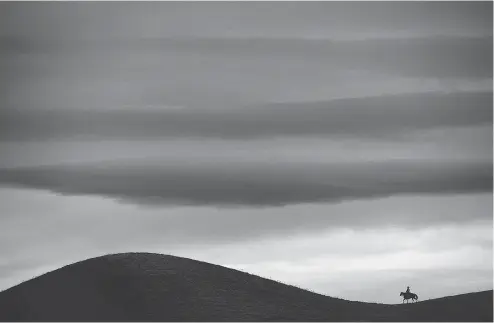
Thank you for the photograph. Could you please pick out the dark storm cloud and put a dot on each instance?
(414, 57)
(268, 18)
(438, 57)
(411, 40)
(356, 117)
(254, 184)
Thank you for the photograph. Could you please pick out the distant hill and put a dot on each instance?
(153, 287)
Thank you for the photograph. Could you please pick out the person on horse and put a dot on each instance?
(407, 295)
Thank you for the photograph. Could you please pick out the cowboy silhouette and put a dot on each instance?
(409, 295)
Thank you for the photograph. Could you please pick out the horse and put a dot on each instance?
(407, 296)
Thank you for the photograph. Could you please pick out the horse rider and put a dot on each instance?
(408, 290)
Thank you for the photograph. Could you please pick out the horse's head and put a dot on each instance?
(401, 294)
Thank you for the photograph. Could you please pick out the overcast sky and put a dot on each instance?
(341, 147)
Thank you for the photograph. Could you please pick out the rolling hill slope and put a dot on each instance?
(153, 287)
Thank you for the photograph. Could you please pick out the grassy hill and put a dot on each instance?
(153, 287)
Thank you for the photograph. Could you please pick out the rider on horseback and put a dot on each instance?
(407, 295)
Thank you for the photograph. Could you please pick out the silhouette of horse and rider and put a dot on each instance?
(409, 295)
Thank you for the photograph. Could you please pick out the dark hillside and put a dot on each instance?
(152, 287)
